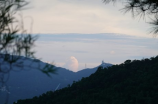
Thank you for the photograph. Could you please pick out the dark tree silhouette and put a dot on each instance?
(132, 82)
(15, 43)
(142, 8)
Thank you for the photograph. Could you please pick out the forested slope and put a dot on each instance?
(132, 82)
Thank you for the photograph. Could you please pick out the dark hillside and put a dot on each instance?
(132, 82)
(29, 82)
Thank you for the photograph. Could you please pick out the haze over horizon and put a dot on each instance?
(80, 51)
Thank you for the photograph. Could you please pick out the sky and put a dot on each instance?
(76, 34)
(82, 16)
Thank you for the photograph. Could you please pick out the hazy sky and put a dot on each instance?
(82, 16)
(88, 18)
(73, 51)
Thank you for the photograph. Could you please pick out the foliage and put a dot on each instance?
(142, 8)
(132, 82)
(15, 42)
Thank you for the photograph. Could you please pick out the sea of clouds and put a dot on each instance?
(77, 51)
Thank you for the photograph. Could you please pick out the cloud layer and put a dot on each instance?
(72, 64)
(91, 49)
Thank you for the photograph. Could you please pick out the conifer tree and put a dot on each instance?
(15, 43)
(142, 8)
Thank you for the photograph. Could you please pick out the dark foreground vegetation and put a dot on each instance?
(132, 82)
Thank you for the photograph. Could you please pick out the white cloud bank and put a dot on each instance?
(72, 64)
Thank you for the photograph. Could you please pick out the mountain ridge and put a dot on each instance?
(132, 82)
(32, 82)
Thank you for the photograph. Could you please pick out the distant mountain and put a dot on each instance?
(30, 82)
(132, 82)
